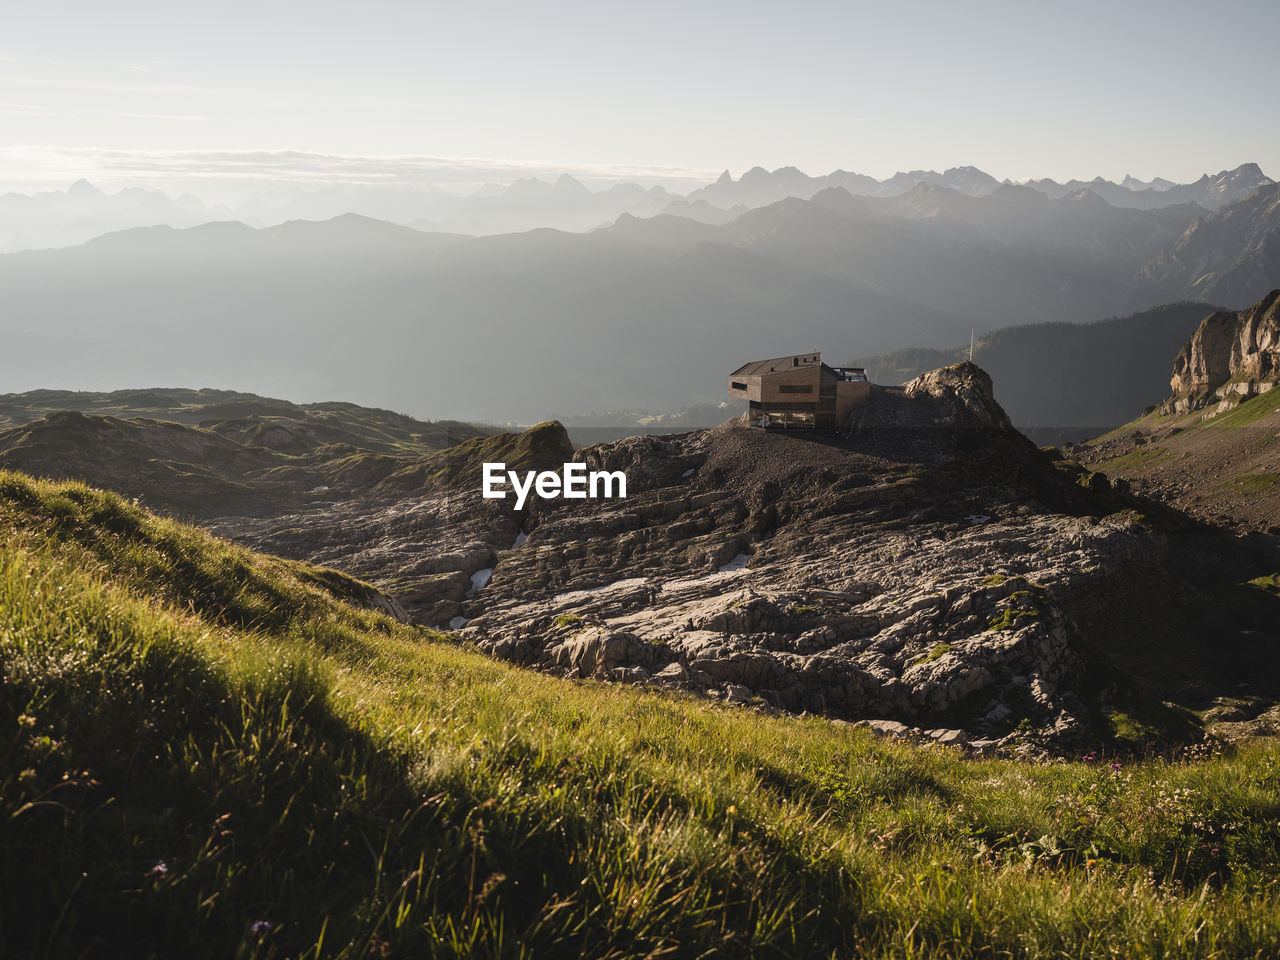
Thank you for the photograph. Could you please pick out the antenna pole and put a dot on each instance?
(971, 344)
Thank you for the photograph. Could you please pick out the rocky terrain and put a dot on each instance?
(928, 570)
(422, 533)
(1212, 447)
(932, 569)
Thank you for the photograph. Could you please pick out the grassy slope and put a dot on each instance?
(1244, 414)
(206, 753)
(1227, 459)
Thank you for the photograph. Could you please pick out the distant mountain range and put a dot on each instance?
(758, 187)
(64, 218)
(646, 313)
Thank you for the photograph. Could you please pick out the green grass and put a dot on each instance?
(1246, 413)
(936, 652)
(1024, 607)
(1135, 459)
(209, 753)
(1254, 483)
(1270, 585)
(1144, 423)
(1243, 414)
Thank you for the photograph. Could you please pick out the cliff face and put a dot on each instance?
(1231, 356)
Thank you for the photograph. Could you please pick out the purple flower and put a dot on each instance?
(261, 926)
(1215, 851)
(1115, 768)
(160, 869)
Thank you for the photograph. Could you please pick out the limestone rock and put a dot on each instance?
(1232, 355)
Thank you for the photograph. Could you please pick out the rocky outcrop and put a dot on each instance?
(1233, 355)
(929, 567)
(1211, 448)
(932, 569)
(960, 395)
(928, 570)
(422, 532)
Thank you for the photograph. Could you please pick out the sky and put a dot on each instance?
(159, 93)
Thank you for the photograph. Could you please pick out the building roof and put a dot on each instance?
(778, 364)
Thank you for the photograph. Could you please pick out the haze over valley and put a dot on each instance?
(321, 299)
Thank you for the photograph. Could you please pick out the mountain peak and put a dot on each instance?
(82, 188)
(1249, 172)
(566, 184)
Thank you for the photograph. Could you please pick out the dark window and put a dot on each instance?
(738, 386)
(795, 388)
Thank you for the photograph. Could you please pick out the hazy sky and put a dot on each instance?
(129, 90)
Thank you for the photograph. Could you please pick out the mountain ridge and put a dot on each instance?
(66, 218)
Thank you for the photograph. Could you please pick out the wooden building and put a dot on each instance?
(799, 392)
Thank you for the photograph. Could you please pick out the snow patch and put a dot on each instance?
(479, 580)
(521, 537)
(737, 563)
(457, 623)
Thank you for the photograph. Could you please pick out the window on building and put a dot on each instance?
(737, 386)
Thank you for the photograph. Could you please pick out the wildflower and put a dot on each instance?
(261, 926)
(1215, 851)
(731, 810)
(160, 869)
(1115, 768)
